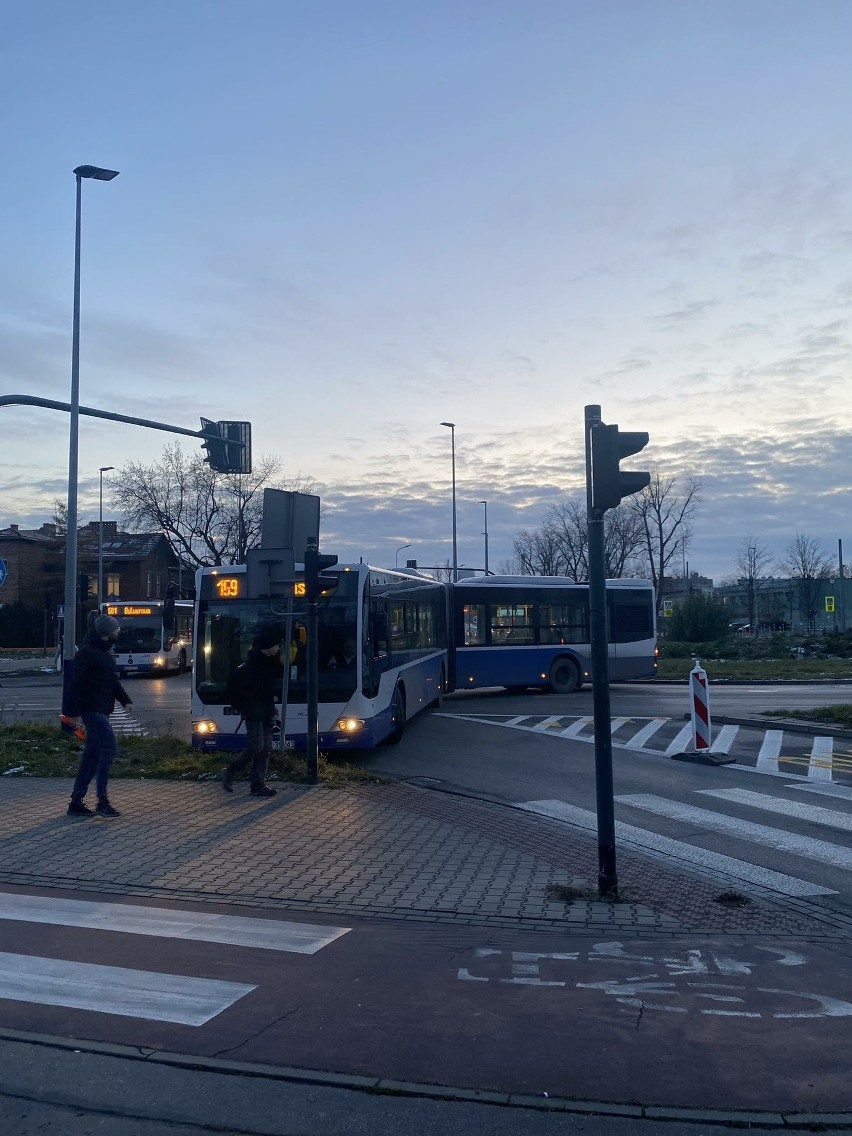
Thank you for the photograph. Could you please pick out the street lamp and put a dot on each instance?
(401, 547)
(484, 505)
(452, 429)
(69, 634)
(103, 469)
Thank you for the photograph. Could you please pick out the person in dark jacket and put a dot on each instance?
(93, 692)
(261, 678)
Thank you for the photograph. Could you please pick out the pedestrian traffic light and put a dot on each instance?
(84, 586)
(228, 445)
(608, 445)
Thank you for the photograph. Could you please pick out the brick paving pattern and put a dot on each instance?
(386, 850)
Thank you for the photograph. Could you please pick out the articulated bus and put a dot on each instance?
(521, 631)
(144, 645)
(382, 652)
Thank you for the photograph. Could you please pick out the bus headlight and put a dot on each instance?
(159, 661)
(205, 726)
(350, 725)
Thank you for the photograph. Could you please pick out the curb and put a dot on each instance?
(384, 1086)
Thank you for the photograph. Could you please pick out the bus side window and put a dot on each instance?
(473, 616)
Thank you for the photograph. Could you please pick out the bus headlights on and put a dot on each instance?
(205, 726)
(350, 725)
(159, 661)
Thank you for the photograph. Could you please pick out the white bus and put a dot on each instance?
(145, 645)
(382, 647)
(522, 631)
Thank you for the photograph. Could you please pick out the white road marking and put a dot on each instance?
(640, 838)
(545, 725)
(683, 739)
(767, 759)
(576, 728)
(814, 814)
(844, 792)
(165, 923)
(819, 768)
(724, 740)
(820, 851)
(116, 990)
(648, 731)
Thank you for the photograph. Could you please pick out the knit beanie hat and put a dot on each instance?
(266, 637)
(106, 625)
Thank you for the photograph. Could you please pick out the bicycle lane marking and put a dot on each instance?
(667, 982)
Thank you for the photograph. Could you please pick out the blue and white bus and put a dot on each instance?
(522, 631)
(145, 645)
(382, 651)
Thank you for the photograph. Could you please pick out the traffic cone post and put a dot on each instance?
(702, 728)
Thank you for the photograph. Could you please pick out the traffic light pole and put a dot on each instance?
(312, 596)
(607, 876)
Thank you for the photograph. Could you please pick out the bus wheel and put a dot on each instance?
(438, 700)
(396, 733)
(564, 676)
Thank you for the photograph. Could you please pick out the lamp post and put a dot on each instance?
(103, 469)
(452, 429)
(401, 547)
(69, 634)
(484, 505)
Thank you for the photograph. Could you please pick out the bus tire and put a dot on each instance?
(564, 676)
(395, 736)
(438, 701)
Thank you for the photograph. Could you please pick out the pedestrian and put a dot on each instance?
(257, 684)
(92, 694)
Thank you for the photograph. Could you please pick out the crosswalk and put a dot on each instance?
(12, 710)
(773, 841)
(151, 995)
(783, 752)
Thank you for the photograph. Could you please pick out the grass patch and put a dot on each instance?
(753, 670)
(732, 899)
(28, 750)
(840, 715)
(569, 893)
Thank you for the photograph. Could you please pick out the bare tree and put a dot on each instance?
(538, 552)
(806, 563)
(207, 517)
(753, 559)
(665, 510)
(622, 540)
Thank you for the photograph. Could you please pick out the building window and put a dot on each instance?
(149, 585)
(113, 586)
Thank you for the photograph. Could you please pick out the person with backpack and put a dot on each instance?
(255, 686)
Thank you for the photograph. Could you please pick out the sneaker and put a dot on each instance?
(105, 809)
(78, 809)
(263, 791)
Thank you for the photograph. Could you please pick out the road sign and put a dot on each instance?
(60, 611)
(2, 572)
(668, 607)
(829, 603)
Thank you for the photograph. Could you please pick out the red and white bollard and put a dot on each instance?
(700, 704)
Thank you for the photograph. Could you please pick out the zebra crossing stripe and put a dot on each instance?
(819, 767)
(648, 731)
(767, 759)
(725, 739)
(639, 838)
(166, 923)
(842, 791)
(820, 851)
(116, 990)
(544, 726)
(814, 814)
(576, 728)
(683, 739)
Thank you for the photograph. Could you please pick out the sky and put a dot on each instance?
(348, 221)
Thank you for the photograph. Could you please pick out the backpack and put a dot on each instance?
(235, 689)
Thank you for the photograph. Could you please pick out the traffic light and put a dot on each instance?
(228, 445)
(169, 605)
(84, 585)
(608, 445)
(315, 583)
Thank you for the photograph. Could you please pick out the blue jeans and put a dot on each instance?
(98, 755)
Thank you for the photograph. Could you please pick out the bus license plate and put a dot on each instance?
(287, 744)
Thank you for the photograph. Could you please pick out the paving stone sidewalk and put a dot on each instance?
(387, 850)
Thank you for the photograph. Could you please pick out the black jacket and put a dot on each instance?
(94, 687)
(261, 678)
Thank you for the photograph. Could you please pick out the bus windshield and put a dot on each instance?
(226, 629)
(139, 635)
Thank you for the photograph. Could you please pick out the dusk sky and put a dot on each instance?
(349, 220)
